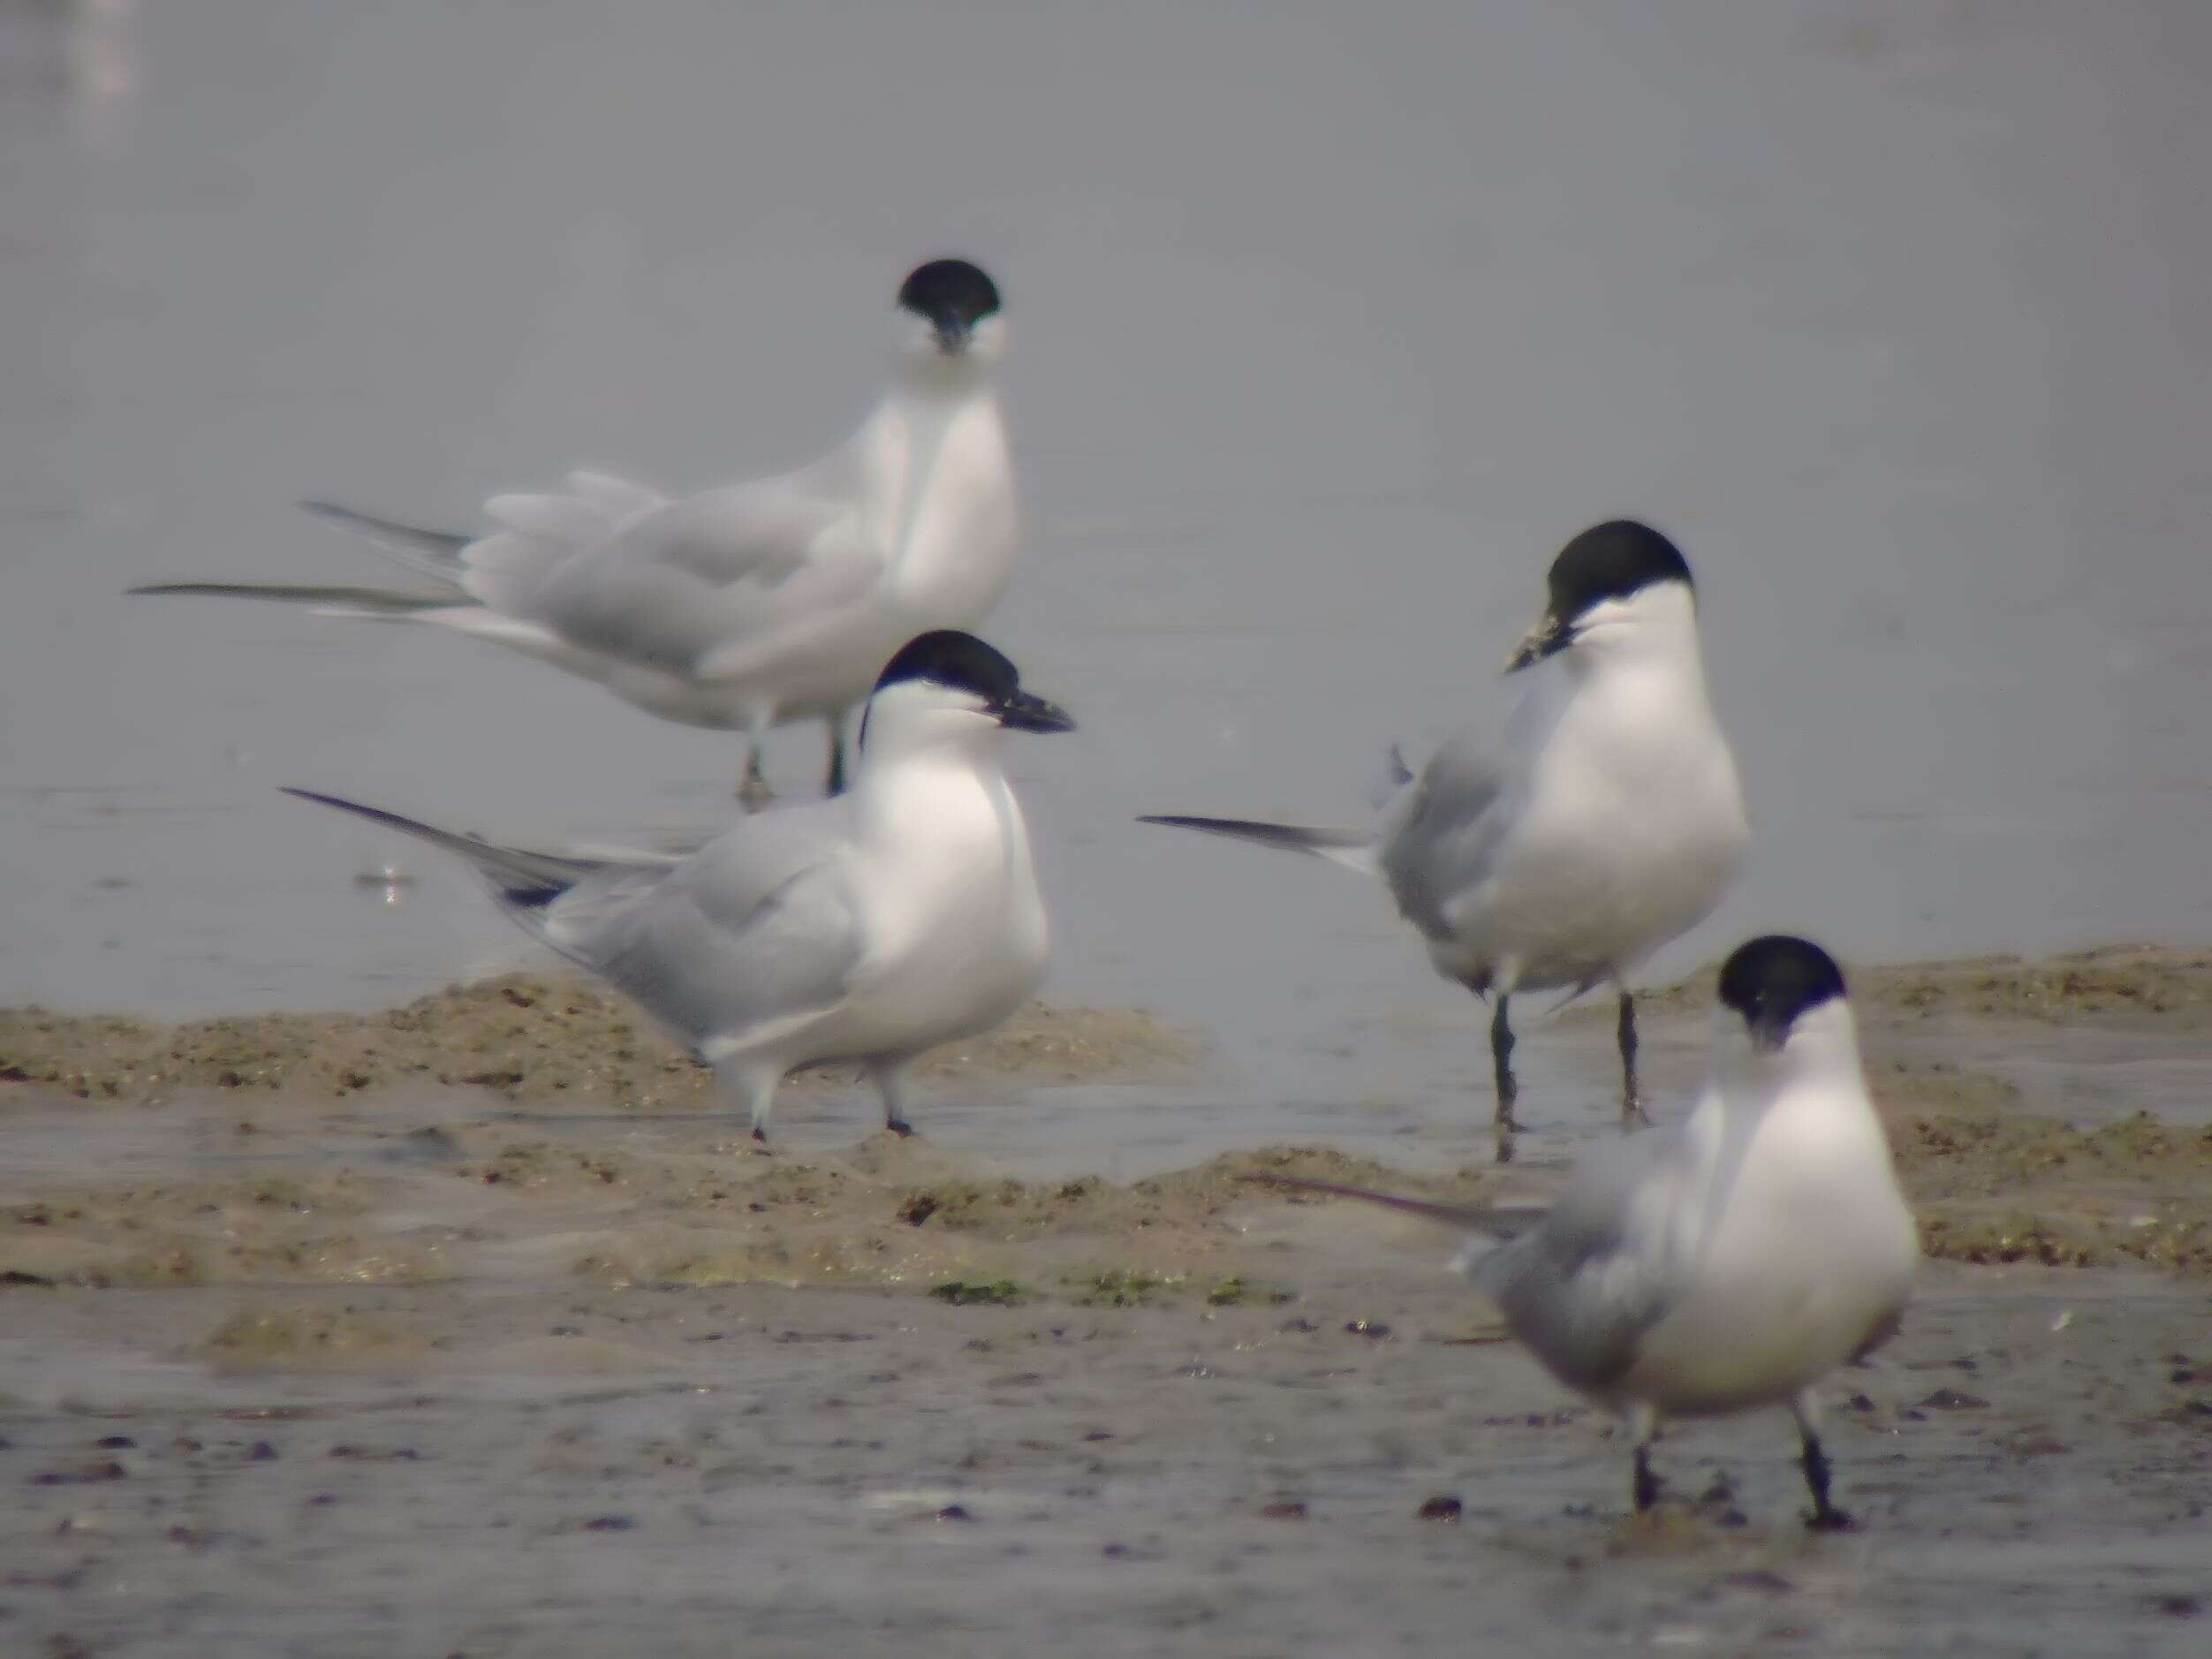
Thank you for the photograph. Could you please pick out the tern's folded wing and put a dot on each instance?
(1584, 1287)
(1440, 835)
(722, 980)
(665, 586)
(752, 927)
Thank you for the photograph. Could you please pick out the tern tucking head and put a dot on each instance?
(1602, 577)
(959, 304)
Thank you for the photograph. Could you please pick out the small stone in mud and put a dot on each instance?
(116, 1442)
(91, 1474)
(1372, 1329)
(1949, 1400)
(1446, 1508)
(1298, 1327)
(2179, 1606)
(262, 1451)
(1759, 1578)
(973, 1293)
(1097, 1434)
(953, 1512)
(1858, 1403)
(1288, 1510)
(611, 1524)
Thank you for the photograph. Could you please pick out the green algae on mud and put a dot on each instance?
(889, 1213)
(1993, 1186)
(522, 1037)
(284, 1337)
(2113, 983)
(420, 1189)
(872, 1221)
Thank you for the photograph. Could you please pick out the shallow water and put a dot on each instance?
(1329, 329)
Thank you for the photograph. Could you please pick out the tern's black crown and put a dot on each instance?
(1771, 981)
(1612, 561)
(949, 657)
(950, 293)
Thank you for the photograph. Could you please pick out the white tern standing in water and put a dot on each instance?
(746, 606)
(1608, 821)
(870, 927)
(1735, 1261)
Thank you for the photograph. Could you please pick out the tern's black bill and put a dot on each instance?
(1025, 712)
(1546, 638)
(1769, 1029)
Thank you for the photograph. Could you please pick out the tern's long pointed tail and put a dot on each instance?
(433, 553)
(1493, 1221)
(1354, 849)
(374, 604)
(523, 880)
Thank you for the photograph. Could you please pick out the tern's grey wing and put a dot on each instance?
(756, 928)
(1583, 1288)
(680, 581)
(1441, 834)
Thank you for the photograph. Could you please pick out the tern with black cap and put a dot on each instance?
(1606, 822)
(1732, 1262)
(744, 606)
(870, 927)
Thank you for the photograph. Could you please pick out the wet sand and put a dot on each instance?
(477, 1327)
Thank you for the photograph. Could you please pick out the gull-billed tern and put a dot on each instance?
(1733, 1262)
(1606, 822)
(870, 927)
(742, 607)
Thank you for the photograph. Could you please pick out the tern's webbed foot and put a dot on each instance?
(900, 1127)
(1831, 1520)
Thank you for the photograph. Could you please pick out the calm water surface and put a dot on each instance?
(1331, 322)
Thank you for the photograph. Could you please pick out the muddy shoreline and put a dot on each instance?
(477, 1325)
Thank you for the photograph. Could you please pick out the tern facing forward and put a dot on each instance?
(870, 927)
(1607, 821)
(743, 607)
(1733, 1262)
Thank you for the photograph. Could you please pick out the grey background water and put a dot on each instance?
(1332, 321)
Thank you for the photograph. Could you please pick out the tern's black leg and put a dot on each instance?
(890, 1082)
(1826, 1517)
(835, 785)
(752, 791)
(1645, 1487)
(1502, 1065)
(1631, 1097)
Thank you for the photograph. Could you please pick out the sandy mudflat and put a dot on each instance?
(475, 1328)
